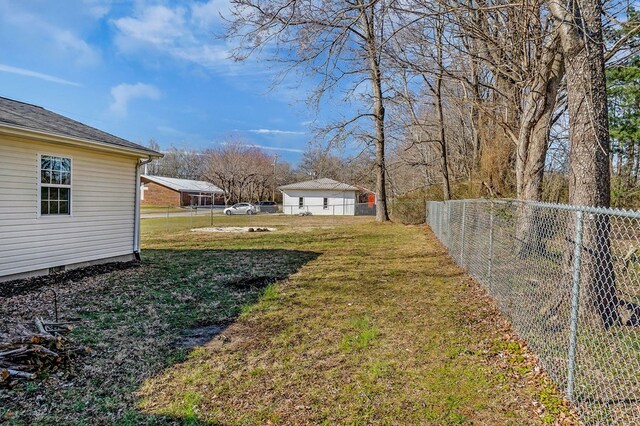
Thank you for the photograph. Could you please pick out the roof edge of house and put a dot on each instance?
(154, 179)
(19, 131)
(335, 185)
(300, 185)
(159, 183)
(318, 189)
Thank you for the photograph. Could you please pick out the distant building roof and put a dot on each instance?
(16, 114)
(319, 184)
(183, 185)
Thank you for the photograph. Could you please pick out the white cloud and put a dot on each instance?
(207, 56)
(75, 47)
(176, 133)
(124, 93)
(208, 14)
(275, 132)
(157, 26)
(55, 40)
(97, 8)
(35, 74)
(269, 148)
(171, 130)
(184, 33)
(274, 148)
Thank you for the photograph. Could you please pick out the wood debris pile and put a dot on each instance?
(259, 230)
(25, 353)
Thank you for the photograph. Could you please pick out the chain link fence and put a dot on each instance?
(568, 278)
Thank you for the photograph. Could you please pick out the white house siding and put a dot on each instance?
(339, 202)
(101, 224)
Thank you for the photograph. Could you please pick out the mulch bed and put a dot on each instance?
(28, 285)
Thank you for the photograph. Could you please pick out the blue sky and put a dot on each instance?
(147, 70)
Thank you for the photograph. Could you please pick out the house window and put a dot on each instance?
(55, 185)
(325, 203)
(300, 202)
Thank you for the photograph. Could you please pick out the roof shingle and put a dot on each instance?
(320, 184)
(20, 114)
(185, 185)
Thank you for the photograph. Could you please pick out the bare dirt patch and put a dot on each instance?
(200, 335)
(234, 229)
(254, 282)
(27, 285)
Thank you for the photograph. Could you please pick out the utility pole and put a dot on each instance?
(275, 163)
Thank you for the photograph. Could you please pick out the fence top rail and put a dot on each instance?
(634, 214)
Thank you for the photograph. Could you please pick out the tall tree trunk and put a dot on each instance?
(475, 93)
(618, 150)
(500, 134)
(444, 166)
(382, 214)
(538, 108)
(589, 173)
(636, 165)
(533, 140)
(475, 116)
(628, 166)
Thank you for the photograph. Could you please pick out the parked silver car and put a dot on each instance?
(241, 208)
(267, 207)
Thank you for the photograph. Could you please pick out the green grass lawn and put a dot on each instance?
(367, 324)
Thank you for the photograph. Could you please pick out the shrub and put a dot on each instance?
(409, 209)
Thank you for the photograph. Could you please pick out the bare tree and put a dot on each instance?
(589, 177)
(176, 163)
(244, 173)
(519, 48)
(419, 52)
(539, 105)
(340, 42)
(318, 162)
(437, 92)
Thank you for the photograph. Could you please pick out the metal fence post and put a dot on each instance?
(575, 300)
(490, 244)
(464, 212)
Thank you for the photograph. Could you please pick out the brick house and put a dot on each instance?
(165, 191)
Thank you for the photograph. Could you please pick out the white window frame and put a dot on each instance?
(325, 203)
(39, 189)
(301, 202)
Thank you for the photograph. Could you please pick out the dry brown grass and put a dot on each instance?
(382, 328)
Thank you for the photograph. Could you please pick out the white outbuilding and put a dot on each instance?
(68, 193)
(319, 197)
